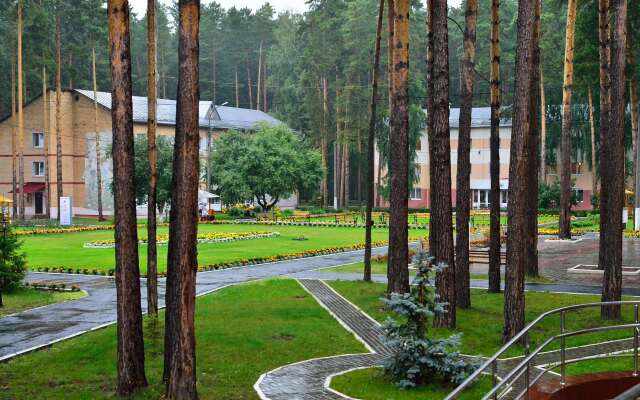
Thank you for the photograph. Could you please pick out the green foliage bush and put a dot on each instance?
(418, 359)
(13, 263)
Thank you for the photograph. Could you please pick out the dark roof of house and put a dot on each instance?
(222, 117)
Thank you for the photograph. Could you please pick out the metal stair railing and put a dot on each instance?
(503, 385)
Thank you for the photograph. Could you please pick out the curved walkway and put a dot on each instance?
(310, 379)
(33, 329)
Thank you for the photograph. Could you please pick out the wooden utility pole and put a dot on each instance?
(612, 169)
(371, 145)
(259, 89)
(59, 190)
(519, 165)
(21, 197)
(95, 129)
(592, 126)
(463, 176)
(495, 231)
(45, 135)
(129, 328)
(152, 90)
(565, 146)
(182, 262)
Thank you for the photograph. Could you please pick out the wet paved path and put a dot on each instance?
(309, 379)
(36, 328)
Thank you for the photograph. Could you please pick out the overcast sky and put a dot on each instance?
(280, 5)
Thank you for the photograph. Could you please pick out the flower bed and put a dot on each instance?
(47, 231)
(233, 263)
(53, 287)
(330, 224)
(203, 238)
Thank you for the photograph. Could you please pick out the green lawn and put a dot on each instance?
(66, 250)
(481, 325)
(241, 332)
(25, 298)
(371, 384)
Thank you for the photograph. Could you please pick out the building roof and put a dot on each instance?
(222, 117)
(480, 118)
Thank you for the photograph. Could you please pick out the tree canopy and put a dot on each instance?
(267, 166)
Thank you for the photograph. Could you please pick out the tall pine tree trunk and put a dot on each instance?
(494, 145)
(59, 187)
(565, 146)
(21, 197)
(635, 125)
(152, 84)
(373, 104)
(397, 269)
(612, 169)
(604, 52)
(130, 341)
(519, 165)
(543, 129)
(46, 135)
(14, 142)
(441, 229)
(463, 176)
(249, 85)
(237, 89)
(182, 261)
(531, 258)
(592, 126)
(259, 86)
(95, 128)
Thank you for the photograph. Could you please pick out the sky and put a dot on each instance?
(280, 5)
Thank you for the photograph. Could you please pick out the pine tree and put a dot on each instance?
(13, 264)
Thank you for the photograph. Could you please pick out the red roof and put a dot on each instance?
(32, 187)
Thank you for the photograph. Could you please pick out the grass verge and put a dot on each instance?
(241, 332)
(25, 298)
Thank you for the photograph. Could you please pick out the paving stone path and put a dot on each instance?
(309, 379)
(44, 326)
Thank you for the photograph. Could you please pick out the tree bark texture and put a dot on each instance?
(152, 87)
(95, 128)
(21, 196)
(543, 129)
(463, 176)
(519, 165)
(130, 340)
(441, 226)
(592, 126)
(531, 258)
(46, 134)
(371, 146)
(14, 141)
(494, 145)
(612, 169)
(398, 269)
(182, 262)
(59, 187)
(565, 145)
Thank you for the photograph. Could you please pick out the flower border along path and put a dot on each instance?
(33, 329)
(203, 238)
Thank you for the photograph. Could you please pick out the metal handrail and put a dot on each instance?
(501, 386)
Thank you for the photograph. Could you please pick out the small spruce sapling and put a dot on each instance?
(12, 263)
(417, 359)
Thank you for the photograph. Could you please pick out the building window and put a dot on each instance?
(38, 140)
(504, 197)
(578, 195)
(480, 198)
(576, 168)
(415, 193)
(419, 145)
(38, 168)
